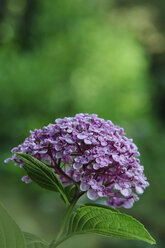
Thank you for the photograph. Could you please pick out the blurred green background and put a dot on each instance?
(59, 58)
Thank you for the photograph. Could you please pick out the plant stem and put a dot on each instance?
(68, 212)
(60, 241)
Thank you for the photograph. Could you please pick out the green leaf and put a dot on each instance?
(107, 222)
(101, 206)
(42, 175)
(10, 234)
(70, 192)
(32, 241)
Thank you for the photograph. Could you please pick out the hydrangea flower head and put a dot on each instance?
(92, 152)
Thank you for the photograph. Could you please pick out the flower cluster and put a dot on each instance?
(92, 152)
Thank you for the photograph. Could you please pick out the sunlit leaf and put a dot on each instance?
(106, 222)
(101, 206)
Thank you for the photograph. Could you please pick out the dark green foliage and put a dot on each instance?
(42, 175)
(70, 192)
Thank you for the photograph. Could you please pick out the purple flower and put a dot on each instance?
(92, 152)
(26, 179)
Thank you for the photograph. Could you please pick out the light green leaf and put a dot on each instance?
(101, 206)
(107, 222)
(32, 241)
(42, 175)
(10, 234)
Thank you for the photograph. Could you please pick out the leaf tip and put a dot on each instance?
(152, 241)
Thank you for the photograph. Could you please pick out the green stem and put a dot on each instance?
(68, 212)
(60, 241)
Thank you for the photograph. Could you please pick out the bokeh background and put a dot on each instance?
(59, 58)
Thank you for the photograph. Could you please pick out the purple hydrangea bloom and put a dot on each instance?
(92, 152)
